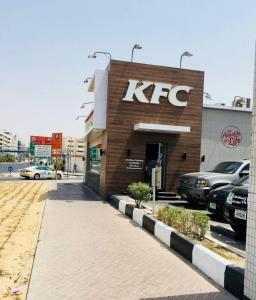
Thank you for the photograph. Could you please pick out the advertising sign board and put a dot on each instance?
(40, 146)
(56, 144)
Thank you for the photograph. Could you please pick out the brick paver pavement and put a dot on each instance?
(88, 250)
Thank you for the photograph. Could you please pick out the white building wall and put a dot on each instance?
(214, 121)
(100, 99)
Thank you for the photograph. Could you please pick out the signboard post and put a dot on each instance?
(156, 183)
(154, 188)
(10, 170)
(56, 148)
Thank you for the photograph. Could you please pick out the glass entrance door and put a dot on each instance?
(157, 152)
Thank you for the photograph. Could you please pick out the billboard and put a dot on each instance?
(40, 146)
(56, 144)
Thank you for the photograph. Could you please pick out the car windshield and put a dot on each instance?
(229, 167)
(241, 181)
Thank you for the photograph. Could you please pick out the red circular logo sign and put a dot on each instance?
(231, 136)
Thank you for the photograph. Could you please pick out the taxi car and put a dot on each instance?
(40, 172)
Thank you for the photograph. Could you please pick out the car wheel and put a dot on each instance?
(59, 176)
(36, 176)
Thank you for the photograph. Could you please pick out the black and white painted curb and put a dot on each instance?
(211, 264)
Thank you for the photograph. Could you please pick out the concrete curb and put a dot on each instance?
(220, 270)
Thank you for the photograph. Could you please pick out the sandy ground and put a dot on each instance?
(21, 210)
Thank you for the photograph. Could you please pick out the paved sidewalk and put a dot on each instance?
(88, 250)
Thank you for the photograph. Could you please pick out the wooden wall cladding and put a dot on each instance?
(122, 115)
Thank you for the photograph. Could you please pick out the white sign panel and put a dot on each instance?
(166, 90)
(43, 150)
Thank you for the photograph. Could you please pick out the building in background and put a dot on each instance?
(8, 141)
(73, 153)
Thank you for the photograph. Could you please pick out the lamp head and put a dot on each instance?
(188, 54)
(92, 56)
(136, 46)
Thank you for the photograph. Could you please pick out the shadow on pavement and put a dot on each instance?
(73, 192)
(201, 296)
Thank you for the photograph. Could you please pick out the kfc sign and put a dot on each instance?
(167, 90)
(231, 137)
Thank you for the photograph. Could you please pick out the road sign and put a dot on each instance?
(10, 169)
(40, 146)
(56, 144)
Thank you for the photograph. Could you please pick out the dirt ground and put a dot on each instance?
(21, 210)
(233, 257)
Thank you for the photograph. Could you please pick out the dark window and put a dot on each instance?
(246, 168)
(229, 167)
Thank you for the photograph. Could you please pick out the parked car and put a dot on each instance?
(195, 187)
(236, 209)
(40, 172)
(217, 197)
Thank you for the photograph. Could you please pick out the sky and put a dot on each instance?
(44, 47)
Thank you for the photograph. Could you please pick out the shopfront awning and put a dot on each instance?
(161, 128)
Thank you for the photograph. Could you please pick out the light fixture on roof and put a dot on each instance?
(83, 104)
(87, 79)
(186, 53)
(136, 46)
(78, 117)
(208, 96)
(94, 55)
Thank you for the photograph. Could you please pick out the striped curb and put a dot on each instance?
(220, 270)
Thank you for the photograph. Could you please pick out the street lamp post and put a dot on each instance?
(87, 79)
(136, 46)
(94, 55)
(186, 53)
(78, 117)
(83, 104)
(208, 96)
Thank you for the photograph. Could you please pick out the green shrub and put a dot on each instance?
(190, 223)
(200, 222)
(5, 158)
(140, 192)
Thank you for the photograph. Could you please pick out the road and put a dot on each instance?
(15, 166)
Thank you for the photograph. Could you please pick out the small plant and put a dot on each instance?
(200, 222)
(190, 223)
(140, 192)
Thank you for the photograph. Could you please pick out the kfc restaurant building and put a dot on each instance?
(144, 112)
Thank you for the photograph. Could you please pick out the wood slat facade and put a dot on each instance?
(120, 136)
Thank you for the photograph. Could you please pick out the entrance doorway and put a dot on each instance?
(157, 152)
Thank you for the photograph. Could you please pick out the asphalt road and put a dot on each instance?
(15, 166)
(64, 180)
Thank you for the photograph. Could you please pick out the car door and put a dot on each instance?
(43, 172)
(50, 172)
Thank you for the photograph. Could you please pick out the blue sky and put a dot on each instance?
(44, 47)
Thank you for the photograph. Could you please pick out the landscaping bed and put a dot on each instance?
(224, 272)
